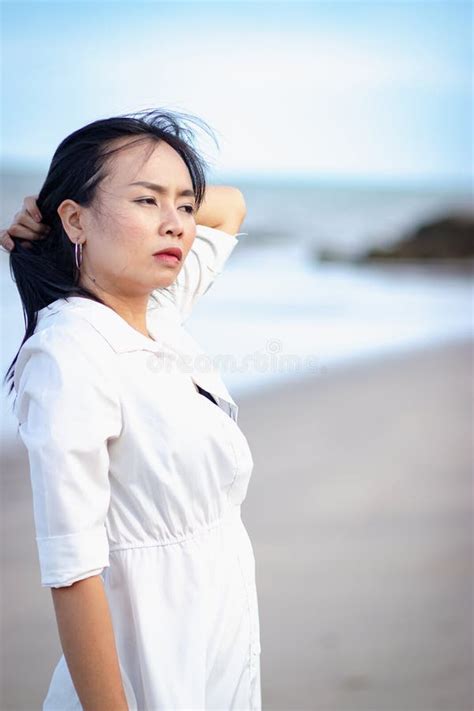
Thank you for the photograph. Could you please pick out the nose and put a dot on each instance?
(172, 222)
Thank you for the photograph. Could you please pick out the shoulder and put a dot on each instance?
(67, 343)
(65, 373)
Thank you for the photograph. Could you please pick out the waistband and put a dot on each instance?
(231, 515)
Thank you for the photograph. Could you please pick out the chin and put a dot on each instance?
(165, 281)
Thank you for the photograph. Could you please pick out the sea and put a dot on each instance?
(278, 311)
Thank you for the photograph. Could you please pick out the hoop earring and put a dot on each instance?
(78, 254)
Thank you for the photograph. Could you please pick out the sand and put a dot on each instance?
(360, 513)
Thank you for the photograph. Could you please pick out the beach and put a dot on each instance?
(360, 514)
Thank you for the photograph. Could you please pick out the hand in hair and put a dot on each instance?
(26, 225)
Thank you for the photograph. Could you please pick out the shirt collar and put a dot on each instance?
(169, 338)
(120, 335)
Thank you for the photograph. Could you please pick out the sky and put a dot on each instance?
(359, 90)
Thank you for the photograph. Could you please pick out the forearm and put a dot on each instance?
(223, 207)
(88, 643)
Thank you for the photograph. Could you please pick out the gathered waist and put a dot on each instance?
(231, 515)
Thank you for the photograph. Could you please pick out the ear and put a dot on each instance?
(71, 213)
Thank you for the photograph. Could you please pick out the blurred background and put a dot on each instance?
(343, 323)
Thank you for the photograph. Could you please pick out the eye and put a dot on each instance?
(190, 209)
(147, 201)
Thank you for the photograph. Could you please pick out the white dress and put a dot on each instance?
(139, 477)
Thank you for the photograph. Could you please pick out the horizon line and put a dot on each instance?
(424, 181)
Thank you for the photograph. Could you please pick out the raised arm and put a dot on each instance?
(223, 208)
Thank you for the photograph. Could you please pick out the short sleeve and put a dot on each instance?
(203, 264)
(68, 410)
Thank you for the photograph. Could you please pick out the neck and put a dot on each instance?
(131, 308)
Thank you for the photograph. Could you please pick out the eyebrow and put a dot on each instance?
(161, 190)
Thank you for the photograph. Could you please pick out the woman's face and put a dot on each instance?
(128, 222)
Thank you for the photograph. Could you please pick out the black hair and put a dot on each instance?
(45, 270)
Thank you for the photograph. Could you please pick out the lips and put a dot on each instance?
(173, 251)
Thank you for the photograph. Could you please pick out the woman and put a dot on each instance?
(137, 463)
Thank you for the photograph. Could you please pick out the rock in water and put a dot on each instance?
(450, 237)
